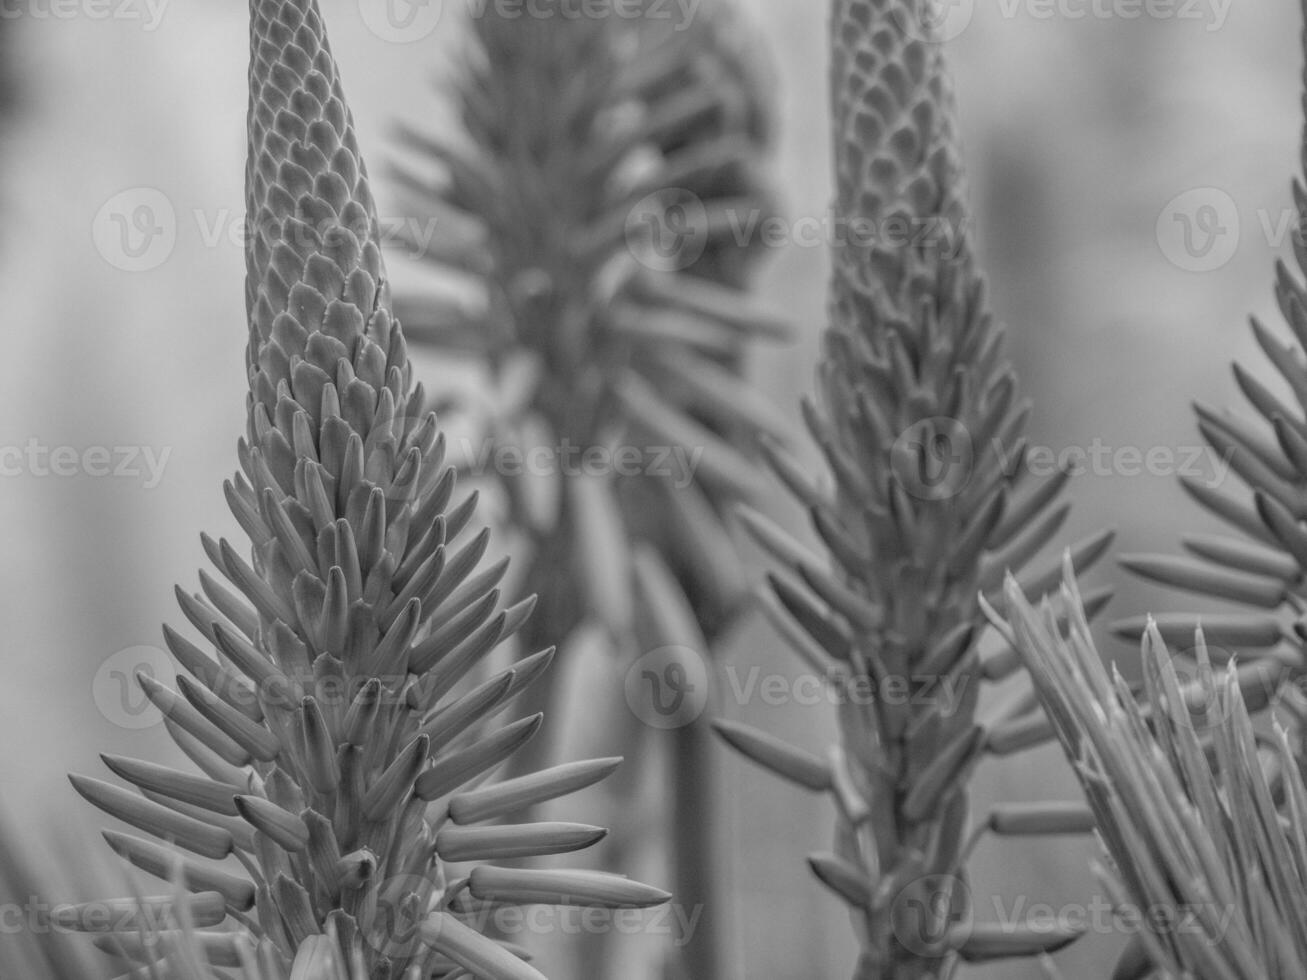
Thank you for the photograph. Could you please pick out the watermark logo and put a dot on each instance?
(680, 14)
(1206, 921)
(667, 231)
(36, 459)
(1201, 687)
(668, 687)
(401, 21)
(1099, 458)
(1211, 13)
(936, 20)
(148, 12)
(675, 464)
(136, 229)
(406, 21)
(933, 459)
(1198, 230)
(926, 234)
(402, 905)
(117, 693)
(943, 693)
(922, 913)
(397, 929)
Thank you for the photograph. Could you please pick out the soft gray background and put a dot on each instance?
(1079, 131)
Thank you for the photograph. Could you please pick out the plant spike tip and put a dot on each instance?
(353, 630)
(918, 418)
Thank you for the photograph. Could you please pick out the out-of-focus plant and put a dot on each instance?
(608, 196)
(343, 754)
(604, 203)
(919, 421)
(1265, 566)
(1204, 819)
(32, 946)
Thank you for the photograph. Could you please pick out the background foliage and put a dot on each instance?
(1077, 132)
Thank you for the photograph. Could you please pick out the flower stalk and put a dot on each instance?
(606, 165)
(917, 417)
(340, 720)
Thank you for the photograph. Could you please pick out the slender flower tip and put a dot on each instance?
(315, 281)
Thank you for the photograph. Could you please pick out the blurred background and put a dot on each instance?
(1082, 135)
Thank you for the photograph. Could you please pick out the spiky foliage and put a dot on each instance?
(1203, 819)
(1264, 567)
(341, 753)
(918, 419)
(578, 133)
(609, 176)
(32, 947)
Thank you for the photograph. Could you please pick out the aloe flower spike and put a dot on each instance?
(336, 750)
(919, 423)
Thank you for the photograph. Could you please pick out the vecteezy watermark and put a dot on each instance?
(35, 459)
(1201, 229)
(669, 230)
(405, 902)
(1211, 14)
(119, 695)
(935, 20)
(36, 916)
(226, 227)
(927, 911)
(932, 233)
(943, 692)
(406, 21)
(148, 12)
(668, 687)
(944, 20)
(1202, 687)
(676, 464)
(137, 230)
(1101, 917)
(1198, 230)
(672, 920)
(931, 914)
(401, 21)
(935, 459)
(680, 14)
(1100, 458)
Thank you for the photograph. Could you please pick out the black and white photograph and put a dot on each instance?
(653, 490)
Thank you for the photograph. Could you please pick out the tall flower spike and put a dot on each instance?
(1263, 567)
(919, 422)
(608, 165)
(337, 722)
(597, 129)
(314, 281)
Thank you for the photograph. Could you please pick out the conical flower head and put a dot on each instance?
(898, 169)
(315, 283)
(918, 419)
(917, 414)
(345, 692)
(916, 396)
